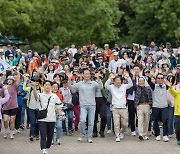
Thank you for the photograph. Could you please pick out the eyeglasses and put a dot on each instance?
(161, 78)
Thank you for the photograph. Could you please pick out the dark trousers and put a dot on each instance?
(18, 118)
(34, 126)
(160, 114)
(46, 132)
(100, 109)
(170, 120)
(177, 127)
(132, 112)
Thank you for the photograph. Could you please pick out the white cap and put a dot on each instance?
(106, 45)
(18, 50)
(1, 50)
(115, 53)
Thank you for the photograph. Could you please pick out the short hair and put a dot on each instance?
(159, 74)
(136, 66)
(46, 82)
(55, 44)
(120, 77)
(55, 83)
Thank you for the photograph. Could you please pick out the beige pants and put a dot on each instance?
(143, 112)
(120, 118)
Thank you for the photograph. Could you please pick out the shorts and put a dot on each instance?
(11, 112)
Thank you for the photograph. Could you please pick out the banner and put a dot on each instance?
(4, 66)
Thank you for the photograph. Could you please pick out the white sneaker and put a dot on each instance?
(80, 138)
(44, 151)
(5, 136)
(146, 138)
(90, 140)
(158, 138)
(109, 131)
(165, 139)
(133, 133)
(11, 136)
(118, 139)
(121, 135)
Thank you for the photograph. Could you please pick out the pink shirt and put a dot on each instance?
(12, 102)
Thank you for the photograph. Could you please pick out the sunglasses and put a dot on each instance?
(160, 78)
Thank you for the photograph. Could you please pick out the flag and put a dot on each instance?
(4, 66)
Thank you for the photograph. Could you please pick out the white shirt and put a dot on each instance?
(118, 93)
(113, 65)
(73, 50)
(53, 105)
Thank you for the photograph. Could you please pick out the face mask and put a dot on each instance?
(29, 54)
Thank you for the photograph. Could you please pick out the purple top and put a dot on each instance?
(12, 102)
(4, 100)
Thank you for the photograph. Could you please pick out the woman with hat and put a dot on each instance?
(10, 108)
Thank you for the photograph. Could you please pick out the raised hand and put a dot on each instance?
(5, 87)
(112, 76)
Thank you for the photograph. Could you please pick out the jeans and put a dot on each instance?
(108, 116)
(34, 127)
(170, 120)
(46, 132)
(84, 111)
(23, 113)
(177, 126)
(69, 114)
(58, 128)
(158, 115)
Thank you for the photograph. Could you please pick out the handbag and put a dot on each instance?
(42, 114)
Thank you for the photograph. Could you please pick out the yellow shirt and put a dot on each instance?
(176, 95)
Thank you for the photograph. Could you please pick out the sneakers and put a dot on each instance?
(11, 136)
(121, 135)
(5, 136)
(165, 139)
(44, 151)
(70, 133)
(118, 139)
(31, 139)
(58, 142)
(90, 141)
(178, 142)
(80, 138)
(146, 138)
(102, 134)
(158, 138)
(133, 133)
(95, 135)
(109, 131)
(141, 138)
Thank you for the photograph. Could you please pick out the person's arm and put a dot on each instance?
(15, 61)
(6, 97)
(106, 77)
(129, 84)
(17, 82)
(152, 85)
(3, 78)
(172, 91)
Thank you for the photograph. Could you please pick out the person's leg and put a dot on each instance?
(50, 133)
(177, 127)
(91, 114)
(18, 118)
(28, 118)
(108, 116)
(12, 125)
(23, 115)
(36, 125)
(83, 115)
(6, 119)
(43, 134)
(146, 119)
(102, 112)
(64, 122)
(170, 120)
(123, 119)
(156, 116)
(76, 110)
(131, 110)
(164, 121)
(140, 117)
(70, 119)
(58, 128)
(32, 118)
(96, 118)
(116, 119)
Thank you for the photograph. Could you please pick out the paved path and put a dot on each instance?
(107, 145)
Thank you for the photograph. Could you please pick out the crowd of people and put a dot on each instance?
(76, 88)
